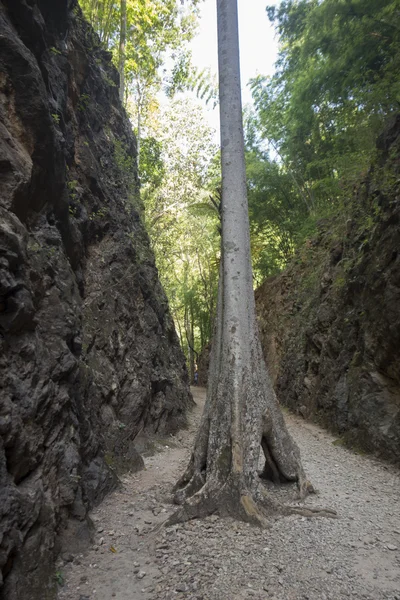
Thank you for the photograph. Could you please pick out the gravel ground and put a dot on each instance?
(354, 556)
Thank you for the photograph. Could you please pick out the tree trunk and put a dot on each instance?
(138, 138)
(190, 341)
(241, 414)
(122, 44)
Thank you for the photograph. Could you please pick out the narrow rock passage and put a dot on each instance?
(354, 556)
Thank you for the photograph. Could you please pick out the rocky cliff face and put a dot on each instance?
(331, 323)
(88, 351)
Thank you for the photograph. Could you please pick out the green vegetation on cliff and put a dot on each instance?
(336, 84)
(330, 322)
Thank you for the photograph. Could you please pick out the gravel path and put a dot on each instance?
(355, 556)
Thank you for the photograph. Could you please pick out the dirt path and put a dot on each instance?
(355, 556)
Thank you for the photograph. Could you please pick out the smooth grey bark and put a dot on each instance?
(241, 415)
(189, 331)
(122, 44)
(138, 138)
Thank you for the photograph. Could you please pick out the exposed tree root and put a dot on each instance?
(308, 512)
(189, 489)
(241, 506)
(200, 494)
(304, 485)
(197, 506)
(233, 501)
(271, 470)
(247, 509)
(277, 508)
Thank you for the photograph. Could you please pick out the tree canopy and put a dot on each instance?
(336, 82)
(316, 120)
(148, 39)
(309, 137)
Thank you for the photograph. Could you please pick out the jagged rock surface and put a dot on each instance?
(331, 322)
(88, 352)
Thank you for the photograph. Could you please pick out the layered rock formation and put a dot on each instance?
(88, 352)
(331, 322)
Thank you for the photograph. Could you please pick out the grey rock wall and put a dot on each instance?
(88, 351)
(331, 322)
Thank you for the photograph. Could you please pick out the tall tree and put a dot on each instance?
(122, 43)
(145, 35)
(180, 217)
(241, 414)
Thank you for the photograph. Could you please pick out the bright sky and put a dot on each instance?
(258, 46)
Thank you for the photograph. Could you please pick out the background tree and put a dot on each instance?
(182, 221)
(148, 39)
(122, 44)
